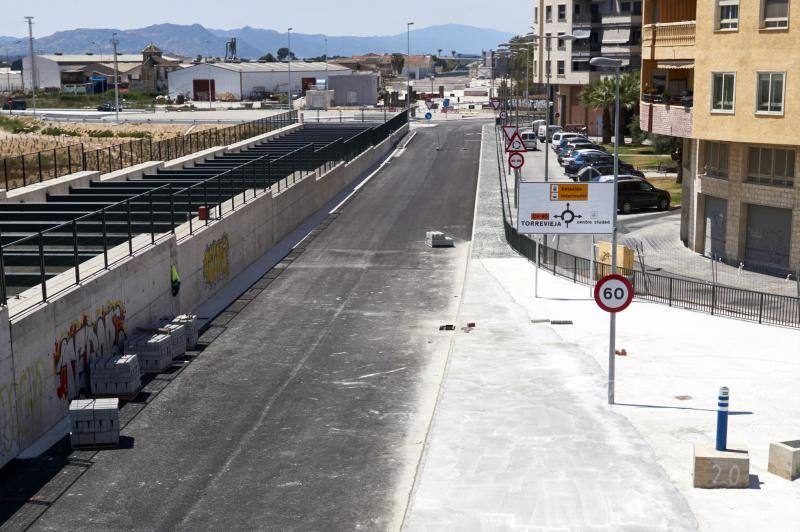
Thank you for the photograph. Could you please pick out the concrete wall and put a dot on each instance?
(44, 364)
(53, 344)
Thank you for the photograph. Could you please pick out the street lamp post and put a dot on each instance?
(34, 83)
(208, 69)
(116, 78)
(605, 62)
(408, 66)
(289, 57)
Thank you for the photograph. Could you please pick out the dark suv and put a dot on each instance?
(639, 194)
(594, 170)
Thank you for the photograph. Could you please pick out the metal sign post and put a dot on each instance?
(613, 294)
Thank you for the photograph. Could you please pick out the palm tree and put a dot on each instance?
(601, 94)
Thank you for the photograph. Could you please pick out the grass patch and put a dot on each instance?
(641, 156)
(16, 125)
(81, 101)
(671, 185)
(57, 132)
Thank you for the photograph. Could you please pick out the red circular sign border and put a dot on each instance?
(613, 277)
(513, 153)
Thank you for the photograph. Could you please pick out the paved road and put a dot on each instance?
(309, 411)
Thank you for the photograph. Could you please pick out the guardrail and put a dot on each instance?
(22, 170)
(714, 299)
(145, 219)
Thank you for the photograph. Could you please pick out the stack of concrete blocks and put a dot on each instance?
(189, 322)
(116, 375)
(94, 422)
(152, 350)
(191, 329)
(784, 459)
(177, 337)
(437, 239)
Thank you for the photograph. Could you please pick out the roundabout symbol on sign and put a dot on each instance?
(613, 293)
(516, 161)
(568, 216)
(503, 115)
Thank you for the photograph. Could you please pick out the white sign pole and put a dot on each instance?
(538, 263)
(612, 333)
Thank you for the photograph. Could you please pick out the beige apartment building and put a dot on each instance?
(723, 75)
(615, 28)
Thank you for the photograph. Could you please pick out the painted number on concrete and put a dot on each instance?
(613, 293)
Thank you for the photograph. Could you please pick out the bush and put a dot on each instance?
(637, 135)
(58, 132)
(15, 125)
(135, 134)
(101, 133)
(663, 144)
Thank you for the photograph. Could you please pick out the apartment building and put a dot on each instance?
(720, 75)
(615, 28)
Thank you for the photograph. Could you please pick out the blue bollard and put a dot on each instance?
(722, 419)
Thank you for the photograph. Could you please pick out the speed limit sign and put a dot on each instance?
(613, 293)
(516, 160)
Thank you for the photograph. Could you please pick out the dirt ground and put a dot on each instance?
(20, 143)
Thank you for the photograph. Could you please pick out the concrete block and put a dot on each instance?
(784, 459)
(189, 322)
(437, 239)
(720, 469)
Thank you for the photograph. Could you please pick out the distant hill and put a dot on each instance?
(193, 40)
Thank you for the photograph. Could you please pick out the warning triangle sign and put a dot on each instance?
(509, 131)
(495, 105)
(515, 144)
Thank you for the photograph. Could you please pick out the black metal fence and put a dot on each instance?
(22, 170)
(147, 218)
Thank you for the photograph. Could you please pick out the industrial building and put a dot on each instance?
(10, 80)
(92, 72)
(735, 112)
(249, 80)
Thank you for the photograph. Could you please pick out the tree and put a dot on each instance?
(601, 94)
(269, 58)
(284, 53)
(453, 52)
(398, 62)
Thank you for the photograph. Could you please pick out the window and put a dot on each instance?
(727, 14)
(724, 89)
(562, 44)
(625, 7)
(577, 9)
(770, 92)
(547, 67)
(771, 166)
(717, 154)
(637, 8)
(636, 38)
(535, 15)
(562, 12)
(775, 14)
(548, 14)
(560, 67)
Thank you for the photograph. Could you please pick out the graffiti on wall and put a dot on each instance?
(87, 338)
(216, 264)
(21, 404)
(7, 423)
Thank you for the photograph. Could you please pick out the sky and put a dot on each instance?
(331, 17)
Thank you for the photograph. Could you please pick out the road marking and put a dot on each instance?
(364, 182)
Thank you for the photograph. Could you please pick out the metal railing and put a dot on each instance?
(146, 219)
(711, 298)
(22, 170)
(669, 34)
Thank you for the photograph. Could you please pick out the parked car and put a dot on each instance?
(15, 105)
(639, 194)
(560, 139)
(546, 133)
(108, 107)
(574, 146)
(530, 140)
(609, 178)
(577, 128)
(585, 158)
(596, 170)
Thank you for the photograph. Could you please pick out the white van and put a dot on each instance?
(536, 124)
(558, 137)
(545, 133)
(529, 139)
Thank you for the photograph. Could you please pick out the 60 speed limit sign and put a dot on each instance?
(613, 293)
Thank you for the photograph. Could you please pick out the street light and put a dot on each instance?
(408, 65)
(208, 69)
(548, 73)
(616, 64)
(289, 57)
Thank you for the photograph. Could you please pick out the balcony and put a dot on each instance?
(669, 40)
(666, 116)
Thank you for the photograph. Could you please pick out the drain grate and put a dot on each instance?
(448, 327)
(561, 322)
(540, 321)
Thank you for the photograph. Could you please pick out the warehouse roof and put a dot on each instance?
(297, 66)
(94, 58)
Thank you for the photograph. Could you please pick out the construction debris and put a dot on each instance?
(437, 239)
(115, 375)
(94, 422)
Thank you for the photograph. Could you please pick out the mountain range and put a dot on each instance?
(192, 40)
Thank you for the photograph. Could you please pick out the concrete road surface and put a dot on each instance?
(310, 410)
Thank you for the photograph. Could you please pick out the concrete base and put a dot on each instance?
(784, 459)
(720, 469)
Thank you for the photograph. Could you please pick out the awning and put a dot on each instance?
(675, 65)
(616, 35)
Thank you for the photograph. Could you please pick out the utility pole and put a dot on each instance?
(116, 76)
(289, 57)
(34, 83)
(326, 62)
(408, 66)
(208, 69)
